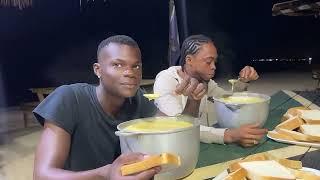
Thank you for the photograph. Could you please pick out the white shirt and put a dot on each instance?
(173, 104)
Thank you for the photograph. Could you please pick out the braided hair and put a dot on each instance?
(191, 45)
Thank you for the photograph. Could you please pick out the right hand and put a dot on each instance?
(115, 173)
(246, 135)
(190, 87)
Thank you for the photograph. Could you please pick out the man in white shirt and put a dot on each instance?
(181, 90)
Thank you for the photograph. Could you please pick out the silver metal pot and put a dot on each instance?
(231, 115)
(184, 142)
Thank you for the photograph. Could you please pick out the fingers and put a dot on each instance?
(182, 86)
(248, 142)
(248, 73)
(253, 74)
(253, 137)
(199, 95)
(184, 83)
(129, 158)
(254, 125)
(246, 134)
(200, 91)
(257, 131)
(249, 135)
(146, 175)
(191, 87)
(200, 87)
(244, 72)
(254, 129)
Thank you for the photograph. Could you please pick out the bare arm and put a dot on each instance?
(192, 107)
(53, 150)
(51, 154)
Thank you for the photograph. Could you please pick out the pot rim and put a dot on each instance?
(265, 97)
(122, 125)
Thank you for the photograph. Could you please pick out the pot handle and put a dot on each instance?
(122, 133)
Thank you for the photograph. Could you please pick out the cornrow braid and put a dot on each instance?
(191, 45)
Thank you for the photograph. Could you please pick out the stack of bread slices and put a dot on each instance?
(299, 125)
(267, 167)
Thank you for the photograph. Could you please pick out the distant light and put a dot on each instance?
(310, 58)
(285, 11)
(304, 7)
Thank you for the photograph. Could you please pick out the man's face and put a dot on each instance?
(203, 62)
(120, 69)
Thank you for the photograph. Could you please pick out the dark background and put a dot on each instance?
(55, 42)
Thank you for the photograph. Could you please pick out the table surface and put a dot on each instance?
(214, 158)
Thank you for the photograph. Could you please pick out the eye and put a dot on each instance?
(117, 65)
(137, 66)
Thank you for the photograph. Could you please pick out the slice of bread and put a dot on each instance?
(276, 135)
(300, 174)
(291, 124)
(299, 136)
(286, 162)
(255, 157)
(291, 112)
(310, 116)
(313, 130)
(267, 170)
(150, 162)
(239, 174)
(295, 135)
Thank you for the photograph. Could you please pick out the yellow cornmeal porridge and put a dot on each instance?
(158, 125)
(242, 99)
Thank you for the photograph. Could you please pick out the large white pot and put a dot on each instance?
(231, 115)
(184, 142)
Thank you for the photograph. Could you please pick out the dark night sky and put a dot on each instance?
(254, 31)
(54, 43)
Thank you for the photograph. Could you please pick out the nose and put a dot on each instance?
(213, 66)
(129, 72)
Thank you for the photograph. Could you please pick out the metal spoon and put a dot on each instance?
(151, 96)
(230, 93)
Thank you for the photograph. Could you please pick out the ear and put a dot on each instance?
(97, 69)
(189, 59)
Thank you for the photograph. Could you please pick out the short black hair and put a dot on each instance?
(191, 45)
(118, 39)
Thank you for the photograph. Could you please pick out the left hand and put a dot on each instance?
(246, 135)
(247, 74)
